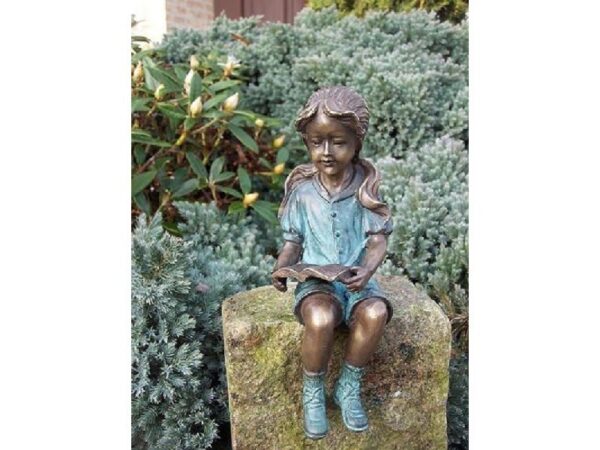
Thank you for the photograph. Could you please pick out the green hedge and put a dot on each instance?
(411, 68)
(191, 142)
(454, 10)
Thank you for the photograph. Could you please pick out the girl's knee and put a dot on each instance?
(372, 310)
(320, 313)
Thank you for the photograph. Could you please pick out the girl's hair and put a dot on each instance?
(341, 103)
(345, 105)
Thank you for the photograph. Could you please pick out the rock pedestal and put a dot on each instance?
(405, 386)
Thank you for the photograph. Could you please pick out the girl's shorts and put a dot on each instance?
(347, 299)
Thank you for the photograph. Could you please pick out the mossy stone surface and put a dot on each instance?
(404, 390)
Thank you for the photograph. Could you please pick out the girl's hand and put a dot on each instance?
(279, 283)
(359, 280)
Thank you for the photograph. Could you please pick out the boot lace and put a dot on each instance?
(351, 390)
(313, 395)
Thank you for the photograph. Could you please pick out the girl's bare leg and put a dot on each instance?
(320, 313)
(366, 328)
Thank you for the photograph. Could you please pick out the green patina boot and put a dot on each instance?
(346, 395)
(313, 400)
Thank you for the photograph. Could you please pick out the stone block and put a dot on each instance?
(405, 386)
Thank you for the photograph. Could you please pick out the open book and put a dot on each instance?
(329, 272)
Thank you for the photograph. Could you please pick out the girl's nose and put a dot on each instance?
(326, 148)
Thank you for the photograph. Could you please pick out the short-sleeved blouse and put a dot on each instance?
(331, 229)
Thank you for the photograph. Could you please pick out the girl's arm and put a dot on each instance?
(375, 253)
(374, 256)
(290, 255)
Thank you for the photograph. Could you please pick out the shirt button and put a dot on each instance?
(337, 234)
(333, 214)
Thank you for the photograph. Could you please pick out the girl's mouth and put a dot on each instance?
(328, 163)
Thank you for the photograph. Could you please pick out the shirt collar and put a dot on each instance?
(348, 191)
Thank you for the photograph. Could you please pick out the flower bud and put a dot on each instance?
(196, 107)
(278, 169)
(138, 73)
(259, 123)
(278, 142)
(194, 63)
(228, 67)
(231, 102)
(181, 139)
(250, 199)
(159, 93)
(228, 70)
(187, 83)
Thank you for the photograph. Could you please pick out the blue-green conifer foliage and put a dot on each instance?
(178, 285)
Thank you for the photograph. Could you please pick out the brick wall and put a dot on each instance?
(189, 13)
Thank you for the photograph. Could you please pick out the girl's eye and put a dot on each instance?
(315, 142)
(339, 143)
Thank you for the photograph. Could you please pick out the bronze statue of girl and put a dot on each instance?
(331, 214)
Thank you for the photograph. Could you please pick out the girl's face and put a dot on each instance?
(331, 144)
